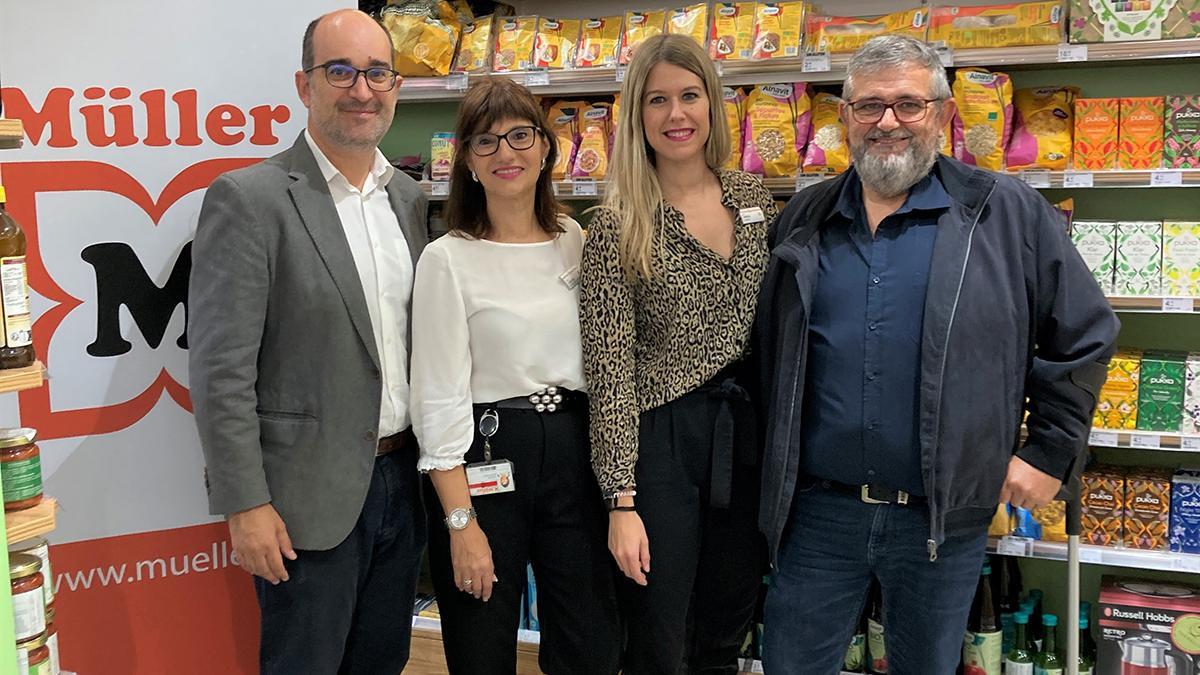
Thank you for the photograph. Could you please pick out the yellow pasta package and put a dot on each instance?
(475, 49)
(732, 34)
(639, 26)
(599, 40)
(554, 46)
(775, 128)
(591, 160)
(1001, 525)
(946, 145)
(734, 100)
(1044, 119)
(984, 122)
(827, 151)
(1009, 25)
(564, 121)
(514, 43)
(841, 34)
(424, 36)
(777, 29)
(691, 20)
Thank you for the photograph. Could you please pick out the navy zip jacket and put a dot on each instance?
(1011, 313)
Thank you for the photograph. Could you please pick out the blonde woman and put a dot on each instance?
(671, 272)
(499, 408)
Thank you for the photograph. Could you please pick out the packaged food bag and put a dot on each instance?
(827, 151)
(984, 122)
(514, 43)
(1008, 25)
(424, 36)
(1041, 136)
(475, 51)
(591, 160)
(776, 126)
(599, 42)
(691, 21)
(734, 100)
(778, 27)
(732, 34)
(842, 34)
(564, 121)
(640, 26)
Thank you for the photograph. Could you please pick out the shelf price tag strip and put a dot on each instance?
(1147, 441)
(1072, 53)
(1190, 443)
(1090, 554)
(1018, 546)
(584, 188)
(1174, 305)
(1078, 179)
(1166, 178)
(1105, 439)
(440, 188)
(537, 78)
(456, 82)
(817, 62)
(807, 179)
(1037, 178)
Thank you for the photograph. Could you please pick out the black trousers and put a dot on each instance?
(554, 520)
(349, 609)
(697, 494)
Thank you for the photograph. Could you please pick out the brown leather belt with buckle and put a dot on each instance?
(400, 441)
(875, 494)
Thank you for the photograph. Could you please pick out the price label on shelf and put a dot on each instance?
(1190, 442)
(1090, 554)
(946, 55)
(538, 78)
(1186, 305)
(1166, 178)
(440, 188)
(1187, 562)
(807, 179)
(1104, 439)
(816, 63)
(1037, 178)
(584, 188)
(456, 82)
(1072, 53)
(751, 666)
(1018, 546)
(620, 73)
(1078, 179)
(1148, 441)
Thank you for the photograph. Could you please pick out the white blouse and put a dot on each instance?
(490, 321)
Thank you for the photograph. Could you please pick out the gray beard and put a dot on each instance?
(893, 175)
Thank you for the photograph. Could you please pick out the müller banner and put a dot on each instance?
(131, 108)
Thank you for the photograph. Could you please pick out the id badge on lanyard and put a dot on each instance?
(490, 477)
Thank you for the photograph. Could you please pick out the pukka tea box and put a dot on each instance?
(1139, 258)
(1116, 407)
(1095, 140)
(1190, 424)
(1147, 509)
(1096, 241)
(1160, 391)
(1181, 259)
(1181, 132)
(1140, 143)
(1102, 505)
(1185, 511)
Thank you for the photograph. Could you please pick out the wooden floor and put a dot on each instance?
(427, 657)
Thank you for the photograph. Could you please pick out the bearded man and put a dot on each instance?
(912, 312)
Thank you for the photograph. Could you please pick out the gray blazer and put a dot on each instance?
(285, 377)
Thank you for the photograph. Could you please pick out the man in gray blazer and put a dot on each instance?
(299, 300)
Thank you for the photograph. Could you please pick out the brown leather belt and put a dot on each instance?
(399, 441)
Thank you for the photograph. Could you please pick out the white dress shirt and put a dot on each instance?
(490, 321)
(385, 269)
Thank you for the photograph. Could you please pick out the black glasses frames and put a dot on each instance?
(907, 110)
(518, 138)
(345, 76)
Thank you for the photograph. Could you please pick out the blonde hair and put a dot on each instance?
(634, 193)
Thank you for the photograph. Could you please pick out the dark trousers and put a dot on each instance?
(555, 521)
(706, 561)
(834, 544)
(349, 609)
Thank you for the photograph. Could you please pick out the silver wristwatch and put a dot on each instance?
(460, 518)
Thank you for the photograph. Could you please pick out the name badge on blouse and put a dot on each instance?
(752, 214)
(570, 278)
(489, 477)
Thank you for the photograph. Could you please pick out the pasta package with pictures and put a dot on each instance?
(1042, 135)
(776, 126)
(984, 122)
(424, 36)
(827, 150)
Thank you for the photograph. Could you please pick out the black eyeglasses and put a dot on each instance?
(910, 110)
(344, 76)
(518, 138)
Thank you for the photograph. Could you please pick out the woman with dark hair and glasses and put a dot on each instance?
(499, 408)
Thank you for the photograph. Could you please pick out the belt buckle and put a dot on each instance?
(865, 496)
(546, 400)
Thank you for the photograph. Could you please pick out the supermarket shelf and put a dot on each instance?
(1154, 304)
(830, 69)
(17, 379)
(1096, 555)
(11, 133)
(1144, 440)
(30, 523)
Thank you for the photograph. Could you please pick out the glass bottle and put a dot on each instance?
(16, 340)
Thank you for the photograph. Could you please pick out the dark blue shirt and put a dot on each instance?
(860, 415)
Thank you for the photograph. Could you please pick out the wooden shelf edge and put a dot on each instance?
(19, 379)
(12, 133)
(30, 523)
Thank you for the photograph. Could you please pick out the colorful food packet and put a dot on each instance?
(564, 122)
(984, 122)
(441, 155)
(776, 126)
(1095, 142)
(475, 48)
(732, 34)
(1008, 25)
(691, 20)
(514, 43)
(424, 36)
(1044, 118)
(554, 45)
(828, 151)
(841, 34)
(946, 144)
(1001, 525)
(778, 27)
(1053, 519)
(1181, 136)
(639, 26)
(1140, 142)
(599, 42)
(734, 100)
(591, 160)
(1025, 525)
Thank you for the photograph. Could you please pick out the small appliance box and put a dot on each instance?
(1148, 627)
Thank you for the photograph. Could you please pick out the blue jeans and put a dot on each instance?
(833, 545)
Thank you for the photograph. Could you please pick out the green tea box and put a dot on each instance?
(1181, 259)
(1160, 391)
(1096, 241)
(1139, 258)
(1191, 396)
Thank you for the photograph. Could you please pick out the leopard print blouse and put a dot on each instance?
(646, 343)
